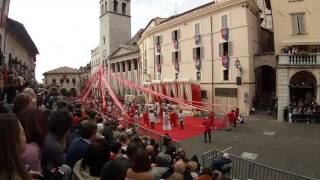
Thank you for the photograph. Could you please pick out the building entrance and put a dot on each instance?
(303, 87)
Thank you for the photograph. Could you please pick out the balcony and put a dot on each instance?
(299, 59)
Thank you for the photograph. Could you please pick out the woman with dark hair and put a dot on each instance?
(34, 123)
(91, 165)
(12, 140)
(141, 166)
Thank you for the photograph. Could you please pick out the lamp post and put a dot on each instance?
(239, 70)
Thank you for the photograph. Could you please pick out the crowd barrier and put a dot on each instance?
(243, 169)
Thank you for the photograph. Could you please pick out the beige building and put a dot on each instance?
(18, 53)
(297, 48)
(64, 80)
(212, 45)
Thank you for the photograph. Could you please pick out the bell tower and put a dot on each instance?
(115, 25)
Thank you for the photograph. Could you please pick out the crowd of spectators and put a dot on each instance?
(301, 110)
(49, 137)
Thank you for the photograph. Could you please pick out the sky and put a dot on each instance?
(65, 31)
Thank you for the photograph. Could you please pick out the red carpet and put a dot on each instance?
(192, 127)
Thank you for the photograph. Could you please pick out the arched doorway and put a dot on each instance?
(303, 87)
(73, 92)
(265, 86)
(64, 92)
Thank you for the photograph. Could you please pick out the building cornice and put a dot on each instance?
(196, 13)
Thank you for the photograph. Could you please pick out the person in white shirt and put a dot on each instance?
(181, 119)
(166, 121)
(152, 118)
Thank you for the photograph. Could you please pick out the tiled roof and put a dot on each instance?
(63, 70)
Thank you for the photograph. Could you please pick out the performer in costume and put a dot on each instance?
(152, 118)
(174, 118)
(208, 126)
(145, 116)
(181, 119)
(166, 121)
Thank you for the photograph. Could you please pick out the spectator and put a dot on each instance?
(91, 165)
(179, 167)
(206, 174)
(162, 166)
(79, 146)
(115, 150)
(34, 123)
(13, 140)
(141, 166)
(223, 165)
(20, 102)
(31, 93)
(193, 169)
(286, 114)
(115, 170)
(59, 123)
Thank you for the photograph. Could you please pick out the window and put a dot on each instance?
(176, 56)
(73, 80)
(124, 8)
(101, 9)
(159, 76)
(224, 21)
(67, 80)
(158, 40)
(106, 6)
(159, 59)
(115, 6)
(198, 53)
(61, 80)
(225, 49)
(298, 23)
(197, 29)
(104, 40)
(177, 76)
(204, 94)
(175, 35)
(145, 65)
(54, 81)
(226, 74)
(113, 67)
(118, 67)
(198, 76)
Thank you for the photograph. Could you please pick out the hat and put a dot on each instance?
(226, 156)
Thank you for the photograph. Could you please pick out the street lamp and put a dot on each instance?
(238, 66)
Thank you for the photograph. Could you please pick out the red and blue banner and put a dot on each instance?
(225, 34)
(225, 62)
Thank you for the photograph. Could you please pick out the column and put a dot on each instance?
(318, 93)
(283, 91)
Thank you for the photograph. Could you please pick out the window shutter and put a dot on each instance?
(224, 21)
(155, 40)
(173, 57)
(179, 56)
(178, 33)
(172, 35)
(161, 59)
(197, 29)
(194, 53)
(301, 23)
(230, 48)
(160, 39)
(294, 24)
(220, 49)
(201, 53)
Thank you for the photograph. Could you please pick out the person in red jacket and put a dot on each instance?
(208, 126)
(230, 118)
(145, 117)
(174, 118)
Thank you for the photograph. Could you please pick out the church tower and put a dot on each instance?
(115, 25)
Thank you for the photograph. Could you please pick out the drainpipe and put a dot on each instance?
(212, 87)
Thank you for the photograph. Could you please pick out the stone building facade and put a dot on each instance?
(297, 50)
(64, 80)
(213, 45)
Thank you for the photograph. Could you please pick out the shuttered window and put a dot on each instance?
(197, 29)
(298, 23)
(224, 21)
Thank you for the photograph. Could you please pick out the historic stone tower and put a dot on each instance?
(115, 25)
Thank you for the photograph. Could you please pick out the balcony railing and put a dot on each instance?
(299, 59)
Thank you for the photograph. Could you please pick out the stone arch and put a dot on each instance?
(303, 86)
(115, 5)
(265, 78)
(64, 92)
(73, 92)
(124, 8)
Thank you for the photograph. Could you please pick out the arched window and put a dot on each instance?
(67, 80)
(54, 81)
(115, 6)
(106, 7)
(101, 9)
(73, 80)
(124, 8)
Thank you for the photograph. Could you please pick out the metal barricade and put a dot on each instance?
(243, 169)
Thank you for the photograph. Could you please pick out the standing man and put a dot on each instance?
(208, 125)
(181, 119)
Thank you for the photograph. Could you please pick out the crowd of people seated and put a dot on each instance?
(301, 110)
(57, 139)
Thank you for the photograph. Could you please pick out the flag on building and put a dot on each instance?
(4, 11)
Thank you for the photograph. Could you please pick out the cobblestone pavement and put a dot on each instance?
(288, 146)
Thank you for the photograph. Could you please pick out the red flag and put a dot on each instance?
(4, 11)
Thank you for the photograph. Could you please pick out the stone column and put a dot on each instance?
(318, 93)
(283, 91)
